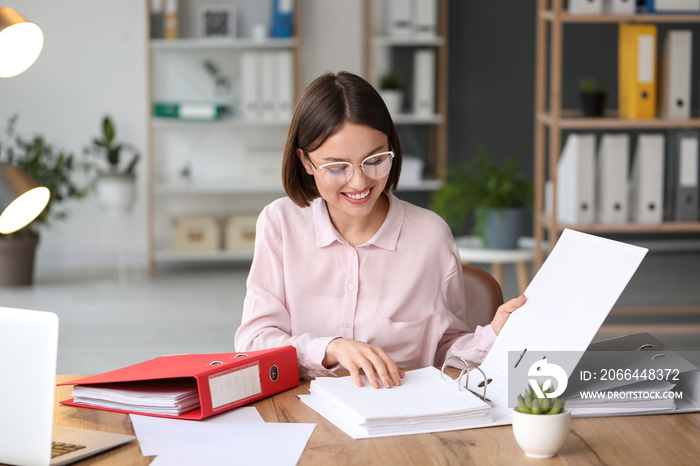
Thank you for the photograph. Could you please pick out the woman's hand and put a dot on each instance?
(355, 355)
(504, 311)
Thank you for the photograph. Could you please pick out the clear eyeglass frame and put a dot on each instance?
(337, 173)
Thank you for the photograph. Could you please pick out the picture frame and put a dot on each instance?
(217, 21)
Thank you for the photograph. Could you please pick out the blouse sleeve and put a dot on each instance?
(458, 339)
(266, 321)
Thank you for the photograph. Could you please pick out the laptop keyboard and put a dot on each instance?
(59, 448)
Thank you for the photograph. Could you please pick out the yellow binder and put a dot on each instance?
(637, 71)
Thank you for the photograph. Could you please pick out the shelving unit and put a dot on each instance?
(551, 119)
(217, 152)
(380, 55)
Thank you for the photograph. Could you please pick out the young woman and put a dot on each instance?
(343, 270)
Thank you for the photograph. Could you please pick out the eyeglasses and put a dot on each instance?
(375, 166)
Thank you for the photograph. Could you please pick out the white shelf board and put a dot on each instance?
(423, 185)
(234, 187)
(387, 41)
(231, 121)
(173, 257)
(220, 43)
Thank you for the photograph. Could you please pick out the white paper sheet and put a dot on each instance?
(567, 301)
(239, 434)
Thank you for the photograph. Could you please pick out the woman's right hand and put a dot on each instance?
(355, 355)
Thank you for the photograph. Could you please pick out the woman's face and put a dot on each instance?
(352, 143)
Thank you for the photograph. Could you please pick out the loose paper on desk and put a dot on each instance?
(567, 301)
(239, 436)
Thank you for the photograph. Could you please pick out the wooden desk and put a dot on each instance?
(639, 440)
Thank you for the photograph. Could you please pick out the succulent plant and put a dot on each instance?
(531, 404)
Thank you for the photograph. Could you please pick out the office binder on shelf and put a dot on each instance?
(425, 18)
(268, 85)
(676, 69)
(619, 7)
(682, 192)
(585, 7)
(399, 18)
(647, 180)
(202, 111)
(637, 71)
(612, 163)
(224, 381)
(424, 82)
(576, 180)
(673, 6)
(282, 19)
(171, 28)
(284, 84)
(251, 86)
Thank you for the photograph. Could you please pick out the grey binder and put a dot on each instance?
(681, 191)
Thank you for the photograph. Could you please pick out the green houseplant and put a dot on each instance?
(53, 168)
(494, 193)
(593, 95)
(540, 425)
(391, 88)
(116, 187)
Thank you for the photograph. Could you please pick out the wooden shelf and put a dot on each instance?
(566, 17)
(551, 119)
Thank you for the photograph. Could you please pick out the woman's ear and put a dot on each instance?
(305, 162)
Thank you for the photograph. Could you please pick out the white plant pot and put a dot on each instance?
(117, 191)
(393, 100)
(541, 435)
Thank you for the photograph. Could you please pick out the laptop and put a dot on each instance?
(28, 352)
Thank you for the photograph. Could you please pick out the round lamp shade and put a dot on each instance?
(21, 198)
(20, 43)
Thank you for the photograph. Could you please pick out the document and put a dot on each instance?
(424, 402)
(567, 301)
(240, 436)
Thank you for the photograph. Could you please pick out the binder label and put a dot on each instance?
(645, 54)
(234, 385)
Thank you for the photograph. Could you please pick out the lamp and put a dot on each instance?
(21, 198)
(20, 42)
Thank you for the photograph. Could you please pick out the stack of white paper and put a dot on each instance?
(424, 402)
(170, 397)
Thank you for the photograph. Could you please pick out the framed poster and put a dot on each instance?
(217, 21)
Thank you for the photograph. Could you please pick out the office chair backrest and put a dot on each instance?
(484, 295)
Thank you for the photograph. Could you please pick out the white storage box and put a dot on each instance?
(240, 233)
(196, 233)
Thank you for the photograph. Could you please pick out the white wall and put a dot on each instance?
(94, 62)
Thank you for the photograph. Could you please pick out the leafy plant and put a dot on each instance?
(480, 185)
(221, 82)
(592, 86)
(51, 167)
(106, 146)
(391, 80)
(531, 404)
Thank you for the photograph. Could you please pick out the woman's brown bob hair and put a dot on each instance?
(325, 105)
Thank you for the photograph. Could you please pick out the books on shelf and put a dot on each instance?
(424, 402)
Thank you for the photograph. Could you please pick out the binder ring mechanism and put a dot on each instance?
(467, 369)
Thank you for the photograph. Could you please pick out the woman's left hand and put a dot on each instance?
(504, 311)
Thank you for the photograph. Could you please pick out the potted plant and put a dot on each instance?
(498, 196)
(116, 187)
(50, 167)
(540, 425)
(593, 94)
(391, 86)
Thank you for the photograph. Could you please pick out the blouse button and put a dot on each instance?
(346, 324)
(351, 287)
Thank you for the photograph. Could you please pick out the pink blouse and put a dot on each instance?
(401, 291)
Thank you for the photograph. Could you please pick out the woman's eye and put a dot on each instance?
(336, 170)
